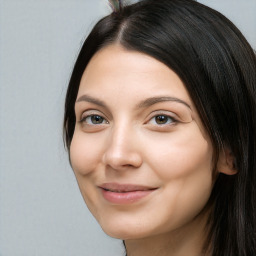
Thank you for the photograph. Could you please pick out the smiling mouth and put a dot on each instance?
(124, 193)
(124, 188)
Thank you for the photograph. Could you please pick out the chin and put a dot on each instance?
(119, 233)
(124, 232)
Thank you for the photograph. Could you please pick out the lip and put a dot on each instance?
(125, 193)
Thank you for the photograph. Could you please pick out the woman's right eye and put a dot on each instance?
(94, 120)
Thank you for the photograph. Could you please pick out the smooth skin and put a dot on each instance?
(136, 124)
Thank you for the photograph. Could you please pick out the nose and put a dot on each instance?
(122, 150)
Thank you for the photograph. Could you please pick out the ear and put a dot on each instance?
(226, 162)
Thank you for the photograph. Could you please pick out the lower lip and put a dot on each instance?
(126, 197)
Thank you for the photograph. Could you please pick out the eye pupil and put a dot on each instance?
(96, 119)
(161, 119)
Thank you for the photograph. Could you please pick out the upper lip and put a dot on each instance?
(116, 187)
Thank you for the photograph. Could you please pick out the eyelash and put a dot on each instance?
(83, 120)
(170, 120)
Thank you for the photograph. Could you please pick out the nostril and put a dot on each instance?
(121, 151)
(122, 162)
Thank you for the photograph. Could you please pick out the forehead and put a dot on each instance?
(117, 54)
(114, 68)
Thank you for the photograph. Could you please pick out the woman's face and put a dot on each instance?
(141, 156)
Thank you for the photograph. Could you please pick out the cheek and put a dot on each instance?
(85, 153)
(184, 165)
(181, 154)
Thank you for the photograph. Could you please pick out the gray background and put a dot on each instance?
(41, 210)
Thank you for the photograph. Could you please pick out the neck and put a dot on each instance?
(187, 240)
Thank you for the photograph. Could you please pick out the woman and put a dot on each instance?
(160, 128)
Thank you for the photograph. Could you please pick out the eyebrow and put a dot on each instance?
(151, 101)
(93, 100)
(145, 103)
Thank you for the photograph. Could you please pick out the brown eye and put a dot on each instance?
(161, 120)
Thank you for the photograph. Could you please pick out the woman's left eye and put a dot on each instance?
(161, 120)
